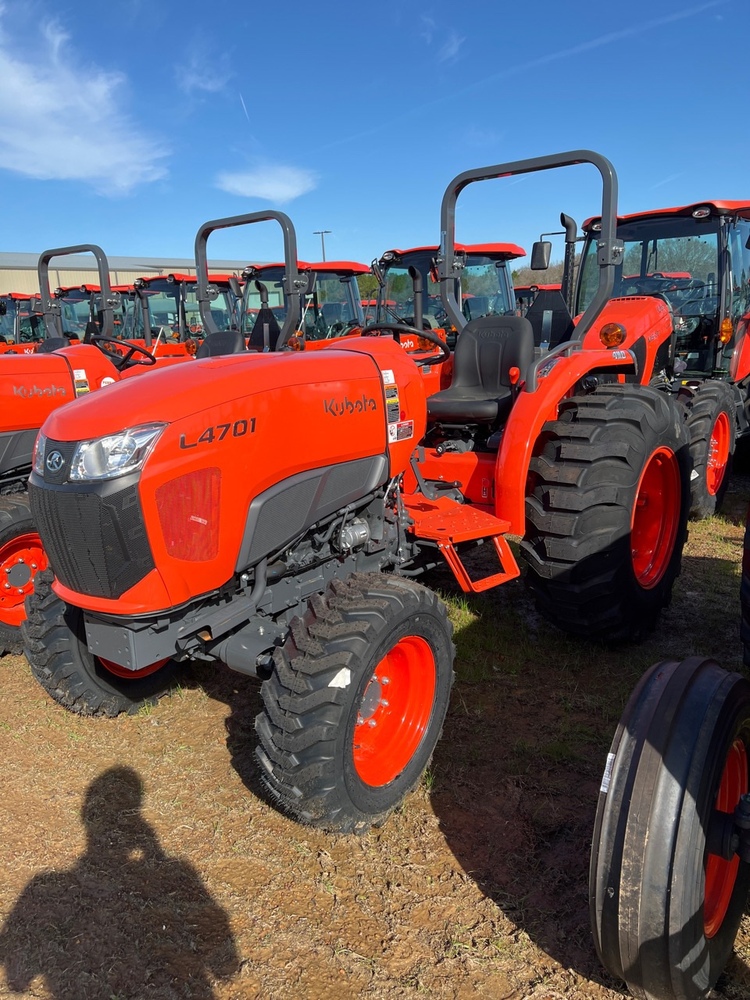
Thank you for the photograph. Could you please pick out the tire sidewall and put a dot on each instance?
(720, 396)
(370, 799)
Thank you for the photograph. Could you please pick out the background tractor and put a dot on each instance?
(275, 510)
(31, 387)
(697, 259)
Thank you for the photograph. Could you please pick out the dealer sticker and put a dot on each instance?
(81, 381)
(401, 431)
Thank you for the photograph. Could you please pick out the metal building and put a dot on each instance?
(18, 271)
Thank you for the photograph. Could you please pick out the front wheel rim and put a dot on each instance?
(395, 711)
(655, 517)
(20, 560)
(131, 675)
(721, 875)
(718, 454)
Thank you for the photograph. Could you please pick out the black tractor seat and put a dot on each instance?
(221, 342)
(481, 391)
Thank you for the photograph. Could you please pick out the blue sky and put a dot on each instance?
(130, 123)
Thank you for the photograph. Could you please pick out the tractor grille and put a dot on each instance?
(96, 542)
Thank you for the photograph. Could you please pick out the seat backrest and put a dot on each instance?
(549, 317)
(264, 318)
(331, 312)
(222, 342)
(52, 344)
(486, 350)
(476, 306)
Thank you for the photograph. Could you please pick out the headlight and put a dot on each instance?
(38, 459)
(115, 455)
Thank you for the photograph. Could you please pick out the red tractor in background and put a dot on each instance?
(167, 321)
(330, 308)
(697, 259)
(31, 387)
(275, 510)
(21, 322)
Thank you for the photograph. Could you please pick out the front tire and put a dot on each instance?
(21, 558)
(664, 909)
(356, 702)
(710, 422)
(606, 512)
(55, 646)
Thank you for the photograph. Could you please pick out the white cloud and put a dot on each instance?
(60, 121)
(270, 182)
(202, 72)
(428, 28)
(449, 49)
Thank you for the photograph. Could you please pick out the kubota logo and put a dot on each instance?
(346, 407)
(30, 392)
(54, 461)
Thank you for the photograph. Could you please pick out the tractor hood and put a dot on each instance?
(244, 453)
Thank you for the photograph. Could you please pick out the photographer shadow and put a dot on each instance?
(126, 920)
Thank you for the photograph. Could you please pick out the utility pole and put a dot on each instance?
(322, 233)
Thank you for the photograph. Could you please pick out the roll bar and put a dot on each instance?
(51, 309)
(295, 284)
(609, 248)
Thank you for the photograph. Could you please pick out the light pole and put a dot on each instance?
(322, 233)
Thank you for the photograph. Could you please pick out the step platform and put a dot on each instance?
(448, 523)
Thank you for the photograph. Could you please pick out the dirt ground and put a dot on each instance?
(139, 858)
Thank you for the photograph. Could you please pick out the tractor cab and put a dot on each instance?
(330, 308)
(482, 279)
(167, 318)
(696, 258)
(21, 323)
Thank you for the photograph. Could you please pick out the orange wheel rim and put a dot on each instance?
(721, 875)
(718, 454)
(653, 528)
(395, 711)
(131, 675)
(20, 560)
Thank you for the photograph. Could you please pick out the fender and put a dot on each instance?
(555, 379)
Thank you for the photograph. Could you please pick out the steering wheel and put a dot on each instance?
(374, 329)
(123, 361)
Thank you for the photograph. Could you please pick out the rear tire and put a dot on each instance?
(710, 422)
(745, 595)
(21, 558)
(55, 646)
(664, 910)
(606, 512)
(356, 702)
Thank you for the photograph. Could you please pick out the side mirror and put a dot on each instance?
(541, 252)
(376, 270)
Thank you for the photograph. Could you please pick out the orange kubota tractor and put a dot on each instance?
(31, 387)
(697, 259)
(21, 322)
(329, 308)
(274, 510)
(167, 321)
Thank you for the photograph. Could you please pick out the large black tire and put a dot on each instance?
(55, 646)
(664, 909)
(21, 557)
(606, 512)
(711, 423)
(745, 595)
(334, 751)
